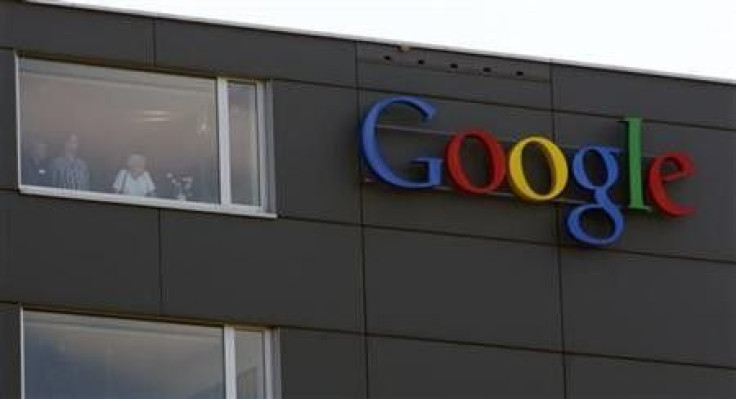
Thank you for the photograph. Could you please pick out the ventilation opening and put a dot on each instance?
(519, 73)
(453, 66)
(387, 57)
(487, 69)
(420, 62)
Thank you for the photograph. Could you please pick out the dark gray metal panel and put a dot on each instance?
(10, 351)
(595, 378)
(5, 14)
(665, 99)
(254, 53)
(79, 33)
(462, 289)
(83, 254)
(648, 307)
(453, 212)
(6, 284)
(458, 214)
(316, 152)
(453, 75)
(401, 369)
(252, 270)
(321, 365)
(709, 232)
(8, 119)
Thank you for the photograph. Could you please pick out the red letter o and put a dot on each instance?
(496, 162)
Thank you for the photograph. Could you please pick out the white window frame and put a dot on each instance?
(226, 206)
(229, 356)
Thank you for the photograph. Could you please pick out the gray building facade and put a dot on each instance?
(380, 293)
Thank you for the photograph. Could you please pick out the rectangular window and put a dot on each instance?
(71, 356)
(142, 137)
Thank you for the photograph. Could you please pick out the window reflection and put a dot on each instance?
(249, 365)
(115, 131)
(243, 121)
(91, 357)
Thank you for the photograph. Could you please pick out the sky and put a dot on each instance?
(695, 38)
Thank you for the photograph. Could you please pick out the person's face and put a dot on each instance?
(72, 145)
(137, 165)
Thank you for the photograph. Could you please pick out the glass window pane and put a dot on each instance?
(243, 121)
(249, 360)
(91, 357)
(116, 131)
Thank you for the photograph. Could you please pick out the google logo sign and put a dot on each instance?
(663, 169)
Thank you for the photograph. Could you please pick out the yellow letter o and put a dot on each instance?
(556, 161)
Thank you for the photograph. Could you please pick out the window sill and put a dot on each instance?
(237, 210)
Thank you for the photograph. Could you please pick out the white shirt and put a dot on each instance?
(140, 186)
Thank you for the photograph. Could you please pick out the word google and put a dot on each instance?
(502, 166)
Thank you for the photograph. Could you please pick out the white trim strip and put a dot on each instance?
(223, 140)
(22, 354)
(268, 364)
(242, 210)
(262, 146)
(231, 371)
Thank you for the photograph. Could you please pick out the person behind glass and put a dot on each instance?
(135, 180)
(36, 170)
(68, 171)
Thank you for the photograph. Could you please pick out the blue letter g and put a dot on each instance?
(600, 193)
(372, 155)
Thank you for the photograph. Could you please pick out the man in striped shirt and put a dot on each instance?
(68, 171)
